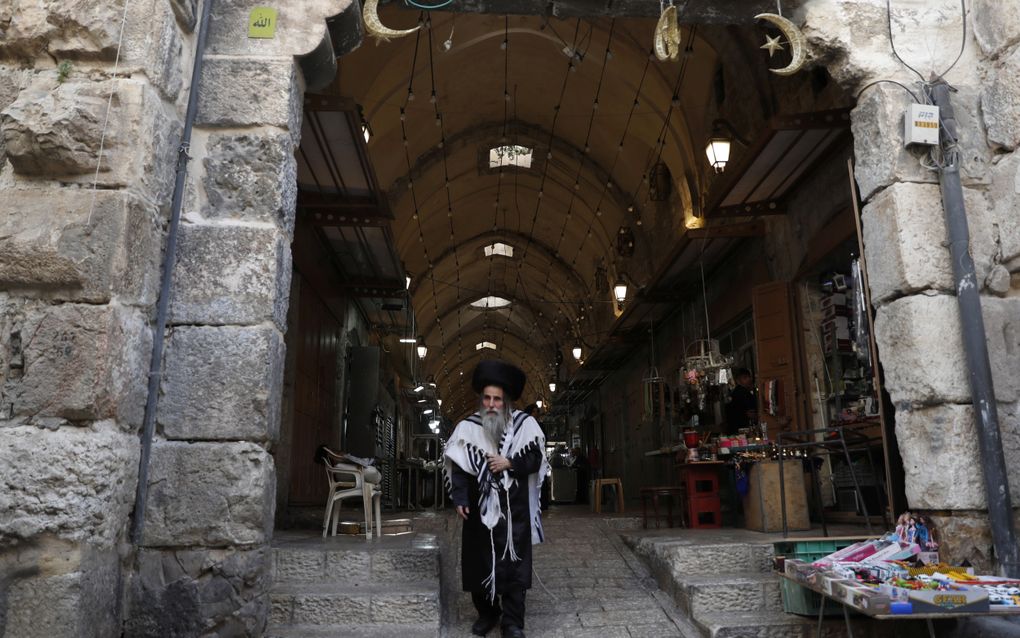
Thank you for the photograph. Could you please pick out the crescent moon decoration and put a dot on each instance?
(794, 37)
(667, 35)
(375, 26)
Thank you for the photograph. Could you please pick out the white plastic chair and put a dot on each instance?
(347, 480)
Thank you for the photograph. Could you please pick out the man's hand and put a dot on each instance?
(463, 511)
(498, 463)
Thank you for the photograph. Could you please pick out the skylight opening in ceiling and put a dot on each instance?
(490, 303)
(481, 345)
(500, 249)
(510, 155)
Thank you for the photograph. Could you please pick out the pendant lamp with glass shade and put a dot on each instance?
(421, 347)
(718, 152)
(620, 290)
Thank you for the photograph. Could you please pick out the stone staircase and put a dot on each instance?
(729, 590)
(347, 587)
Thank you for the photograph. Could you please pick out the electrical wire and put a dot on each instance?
(892, 41)
(963, 39)
(899, 84)
(106, 118)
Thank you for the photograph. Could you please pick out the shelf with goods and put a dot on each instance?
(850, 398)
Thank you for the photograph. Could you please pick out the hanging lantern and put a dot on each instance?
(552, 386)
(576, 351)
(422, 348)
(718, 152)
(620, 290)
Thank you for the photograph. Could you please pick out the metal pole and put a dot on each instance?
(975, 344)
(156, 361)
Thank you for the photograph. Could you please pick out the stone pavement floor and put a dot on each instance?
(586, 583)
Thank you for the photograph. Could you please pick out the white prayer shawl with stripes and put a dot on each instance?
(468, 447)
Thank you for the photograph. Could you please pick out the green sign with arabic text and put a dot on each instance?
(262, 23)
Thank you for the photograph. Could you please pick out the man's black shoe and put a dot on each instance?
(484, 625)
(509, 631)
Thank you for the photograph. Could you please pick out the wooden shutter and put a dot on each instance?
(776, 341)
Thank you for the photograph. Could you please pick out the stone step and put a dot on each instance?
(759, 624)
(333, 605)
(777, 624)
(353, 631)
(691, 557)
(349, 566)
(700, 594)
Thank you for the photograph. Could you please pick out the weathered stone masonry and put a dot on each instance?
(79, 274)
(917, 323)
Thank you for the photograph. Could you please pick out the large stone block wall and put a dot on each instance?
(917, 318)
(87, 162)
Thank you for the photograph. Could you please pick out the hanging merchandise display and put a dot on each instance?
(704, 364)
(861, 345)
(771, 398)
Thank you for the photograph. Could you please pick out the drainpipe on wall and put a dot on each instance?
(1000, 507)
(169, 255)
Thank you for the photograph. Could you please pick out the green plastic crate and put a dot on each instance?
(801, 600)
(812, 550)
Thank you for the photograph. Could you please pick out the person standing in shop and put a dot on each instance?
(494, 466)
(742, 410)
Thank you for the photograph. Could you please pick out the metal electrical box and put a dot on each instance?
(921, 125)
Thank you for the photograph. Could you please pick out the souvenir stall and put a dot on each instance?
(896, 576)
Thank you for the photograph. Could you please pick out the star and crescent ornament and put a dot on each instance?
(772, 45)
(794, 37)
(375, 26)
(667, 35)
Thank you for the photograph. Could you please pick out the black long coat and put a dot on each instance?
(476, 550)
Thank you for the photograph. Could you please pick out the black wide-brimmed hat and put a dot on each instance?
(499, 373)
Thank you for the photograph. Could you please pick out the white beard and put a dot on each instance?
(494, 425)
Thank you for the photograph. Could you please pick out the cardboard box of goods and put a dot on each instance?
(830, 583)
(868, 599)
(964, 599)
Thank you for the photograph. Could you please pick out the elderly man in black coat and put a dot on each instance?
(494, 466)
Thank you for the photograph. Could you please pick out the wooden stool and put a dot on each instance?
(606, 482)
(655, 493)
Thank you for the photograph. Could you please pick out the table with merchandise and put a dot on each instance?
(896, 577)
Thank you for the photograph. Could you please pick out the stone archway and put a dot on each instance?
(79, 271)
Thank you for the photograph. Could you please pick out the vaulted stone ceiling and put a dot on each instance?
(597, 122)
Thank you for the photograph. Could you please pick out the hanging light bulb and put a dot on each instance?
(422, 348)
(539, 404)
(576, 351)
(552, 386)
(366, 130)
